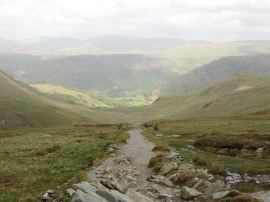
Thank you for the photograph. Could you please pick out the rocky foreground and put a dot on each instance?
(134, 173)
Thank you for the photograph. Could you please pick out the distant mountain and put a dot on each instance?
(126, 43)
(196, 54)
(245, 94)
(218, 70)
(111, 74)
(104, 43)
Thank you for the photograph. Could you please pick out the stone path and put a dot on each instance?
(131, 159)
(125, 177)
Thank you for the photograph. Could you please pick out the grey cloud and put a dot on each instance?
(193, 19)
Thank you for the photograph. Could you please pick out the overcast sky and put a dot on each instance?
(187, 19)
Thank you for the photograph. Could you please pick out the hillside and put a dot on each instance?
(218, 70)
(242, 95)
(190, 56)
(22, 105)
(115, 75)
(90, 99)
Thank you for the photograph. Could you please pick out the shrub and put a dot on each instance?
(182, 178)
(200, 161)
(218, 169)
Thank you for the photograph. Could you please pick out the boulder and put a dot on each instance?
(189, 193)
(80, 196)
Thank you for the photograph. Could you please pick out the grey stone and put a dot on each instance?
(262, 195)
(112, 185)
(259, 151)
(120, 196)
(197, 184)
(205, 174)
(220, 195)
(108, 196)
(70, 191)
(85, 187)
(186, 167)
(137, 197)
(51, 191)
(189, 193)
(168, 167)
(46, 196)
(168, 182)
(165, 196)
(80, 196)
(132, 185)
(213, 188)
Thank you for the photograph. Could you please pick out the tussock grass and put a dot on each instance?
(34, 160)
(219, 140)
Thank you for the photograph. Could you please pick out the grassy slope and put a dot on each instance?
(248, 131)
(22, 105)
(34, 160)
(92, 99)
(244, 94)
(89, 99)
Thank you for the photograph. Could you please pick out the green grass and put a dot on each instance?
(227, 98)
(88, 99)
(256, 131)
(36, 159)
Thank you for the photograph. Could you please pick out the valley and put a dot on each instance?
(63, 115)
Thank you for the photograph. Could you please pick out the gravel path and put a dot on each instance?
(129, 163)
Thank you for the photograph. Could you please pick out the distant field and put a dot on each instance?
(230, 142)
(93, 99)
(36, 159)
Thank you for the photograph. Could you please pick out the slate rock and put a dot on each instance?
(112, 185)
(85, 187)
(189, 193)
(108, 196)
(221, 194)
(137, 197)
(80, 196)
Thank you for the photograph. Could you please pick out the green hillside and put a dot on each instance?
(241, 95)
(92, 99)
(89, 99)
(23, 105)
(218, 70)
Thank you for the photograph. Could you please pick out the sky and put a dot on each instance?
(214, 20)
